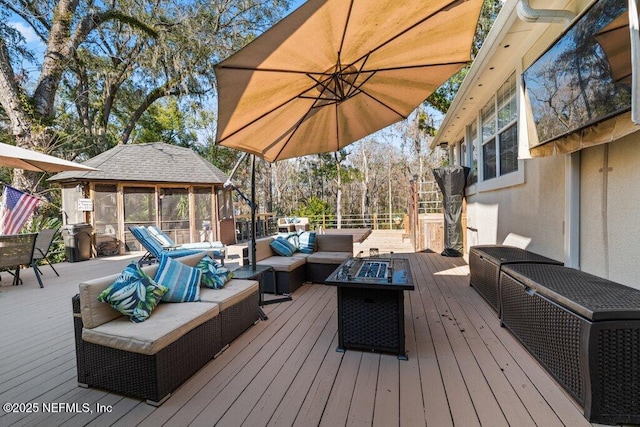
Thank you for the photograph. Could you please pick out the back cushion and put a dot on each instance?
(335, 243)
(263, 250)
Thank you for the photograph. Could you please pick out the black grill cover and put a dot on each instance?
(452, 181)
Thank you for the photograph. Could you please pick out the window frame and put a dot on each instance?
(475, 142)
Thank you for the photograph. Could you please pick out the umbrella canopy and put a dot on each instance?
(21, 158)
(334, 71)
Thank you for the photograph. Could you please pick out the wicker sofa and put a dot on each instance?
(292, 272)
(150, 360)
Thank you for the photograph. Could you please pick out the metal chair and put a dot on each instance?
(41, 249)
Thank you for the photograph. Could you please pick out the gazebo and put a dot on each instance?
(148, 184)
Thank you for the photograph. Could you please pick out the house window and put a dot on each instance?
(499, 133)
(509, 150)
(474, 154)
(489, 140)
(507, 126)
(489, 159)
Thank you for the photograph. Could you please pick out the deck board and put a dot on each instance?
(364, 393)
(459, 398)
(463, 368)
(292, 401)
(386, 411)
(272, 396)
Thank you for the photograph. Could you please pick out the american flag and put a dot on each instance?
(16, 208)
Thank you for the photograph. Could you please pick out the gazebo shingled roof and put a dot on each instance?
(150, 162)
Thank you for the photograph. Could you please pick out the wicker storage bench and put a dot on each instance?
(485, 262)
(584, 330)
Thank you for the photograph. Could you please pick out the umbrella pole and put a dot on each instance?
(286, 297)
(253, 213)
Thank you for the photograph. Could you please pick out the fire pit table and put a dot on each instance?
(371, 304)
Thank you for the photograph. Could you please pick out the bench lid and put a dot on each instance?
(590, 296)
(503, 255)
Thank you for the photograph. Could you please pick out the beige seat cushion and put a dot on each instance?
(234, 291)
(328, 257)
(167, 323)
(283, 263)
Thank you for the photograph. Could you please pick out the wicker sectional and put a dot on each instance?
(152, 369)
(291, 272)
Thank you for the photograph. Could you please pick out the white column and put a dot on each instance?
(572, 210)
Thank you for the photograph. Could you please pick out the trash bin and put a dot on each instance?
(77, 241)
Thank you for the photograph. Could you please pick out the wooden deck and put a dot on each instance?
(463, 369)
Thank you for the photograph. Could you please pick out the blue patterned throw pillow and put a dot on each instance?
(307, 241)
(183, 281)
(282, 247)
(214, 274)
(133, 294)
(294, 239)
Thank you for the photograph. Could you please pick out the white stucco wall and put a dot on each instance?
(610, 238)
(533, 210)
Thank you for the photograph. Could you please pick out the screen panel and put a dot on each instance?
(585, 77)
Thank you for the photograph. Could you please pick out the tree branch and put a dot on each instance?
(153, 96)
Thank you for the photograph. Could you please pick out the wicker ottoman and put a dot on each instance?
(485, 262)
(584, 330)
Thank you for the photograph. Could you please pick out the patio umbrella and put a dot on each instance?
(334, 71)
(21, 158)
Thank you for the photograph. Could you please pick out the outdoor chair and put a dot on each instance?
(154, 249)
(16, 250)
(44, 241)
(217, 248)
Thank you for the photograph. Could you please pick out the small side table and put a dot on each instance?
(247, 272)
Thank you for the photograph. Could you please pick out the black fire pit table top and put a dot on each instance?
(389, 273)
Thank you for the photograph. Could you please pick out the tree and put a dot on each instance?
(442, 98)
(114, 60)
(164, 121)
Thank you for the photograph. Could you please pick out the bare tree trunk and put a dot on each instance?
(270, 187)
(338, 192)
(364, 201)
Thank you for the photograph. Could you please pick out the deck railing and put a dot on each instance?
(427, 200)
(384, 221)
(267, 225)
